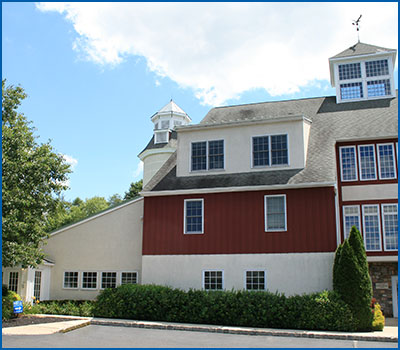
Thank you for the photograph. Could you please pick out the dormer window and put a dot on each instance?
(161, 137)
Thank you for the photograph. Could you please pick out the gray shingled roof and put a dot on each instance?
(331, 122)
(361, 49)
(171, 143)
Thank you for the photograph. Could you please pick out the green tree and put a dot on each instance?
(114, 200)
(33, 175)
(134, 190)
(94, 205)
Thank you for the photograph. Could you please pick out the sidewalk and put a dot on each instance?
(389, 334)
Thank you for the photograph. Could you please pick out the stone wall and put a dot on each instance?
(381, 275)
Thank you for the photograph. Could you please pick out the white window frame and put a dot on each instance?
(265, 212)
(120, 277)
(359, 162)
(341, 163)
(379, 227)
(207, 157)
(252, 166)
(383, 225)
(265, 280)
(101, 279)
(97, 280)
(158, 132)
(184, 216)
(344, 218)
(18, 280)
(204, 280)
(379, 160)
(73, 288)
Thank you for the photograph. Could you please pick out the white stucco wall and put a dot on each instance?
(153, 161)
(295, 273)
(238, 145)
(111, 241)
(370, 192)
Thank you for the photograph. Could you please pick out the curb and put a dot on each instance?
(72, 328)
(242, 331)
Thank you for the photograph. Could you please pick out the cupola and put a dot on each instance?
(166, 119)
(363, 72)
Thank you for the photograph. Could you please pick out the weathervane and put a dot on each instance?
(357, 24)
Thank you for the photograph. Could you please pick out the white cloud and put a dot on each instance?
(221, 50)
(70, 160)
(139, 170)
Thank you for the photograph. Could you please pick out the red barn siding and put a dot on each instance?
(234, 224)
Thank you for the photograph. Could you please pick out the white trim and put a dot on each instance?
(337, 217)
(359, 162)
(379, 160)
(236, 189)
(383, 225)
(383, 258)
(97, 280)
(120, 276)
(395, 296)
(211, 270)
(153, 151)
(379, 227)
(265, 212)
(255, 270)
(341, 163)
(95, 216)
(202, 216)
(63, 281)
(344, 218)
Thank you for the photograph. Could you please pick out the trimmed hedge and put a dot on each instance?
(317, 311)
(61, 307)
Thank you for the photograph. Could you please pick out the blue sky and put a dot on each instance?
(96, 73)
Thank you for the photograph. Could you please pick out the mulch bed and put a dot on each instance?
(25, 320)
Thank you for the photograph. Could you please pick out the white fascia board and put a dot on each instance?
(94, 217)
(383, 258)
(372, 138)
(231, 124)
(236, 189)
(153, 151)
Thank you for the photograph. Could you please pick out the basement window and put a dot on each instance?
(213, 280)
(70, 279)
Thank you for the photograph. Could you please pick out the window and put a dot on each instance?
(390, 226)
(372, 230)
(128, 278)
(164, 124)
(213, 280)
(208, 155)
(376, 68)
(108, 280)
(270, 150)
(89, 280)
(70, 279)
(177, 123)
(194, 210)
(366, 154)
(161, 137)
(349, 71)
(348, 163)
(351, 217)
(275, 213)
(386, 161)
(255, 280)
(37, 284)
(378, 88)
(13, 282)
(351, 91)
(216, 154)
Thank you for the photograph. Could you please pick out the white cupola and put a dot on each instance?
(363, 72)
(166, 119)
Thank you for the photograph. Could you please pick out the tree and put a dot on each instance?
(33, 176)
(134, 190)
(114, 200)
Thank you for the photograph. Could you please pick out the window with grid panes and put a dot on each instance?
(349, 71)
(128, 278)
(213, 280)
(351, 91)
(386, 161)
(275, 213)
(194, 216)
(255, 280)
(216, 154)
(37, 284)
(108, 279)
(13, 281)
(71, 279)
(366, 155)
(376, 68)
(348, 163)
(351, 217)
(390, 226)
(378, 87)
(89, 280)
(372, 232)
(279, 150)
(260, 151)
(199, 156)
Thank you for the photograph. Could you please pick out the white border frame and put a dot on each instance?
(379, 160)
(69, 288)
(184, 216)
(265, 280)
(97, 280)
(379, 227)
(344, 218)
(383, 226)
(359, 162)
(211, 270)
(265, 212)
(341, 164)
(120, 277)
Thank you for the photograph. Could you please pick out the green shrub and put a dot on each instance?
(62, 307)
(378, 322)
(4, 290)
(7, 304)
(324, 310)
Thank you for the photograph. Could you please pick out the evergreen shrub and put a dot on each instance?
(7, 301)
(319, 311)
